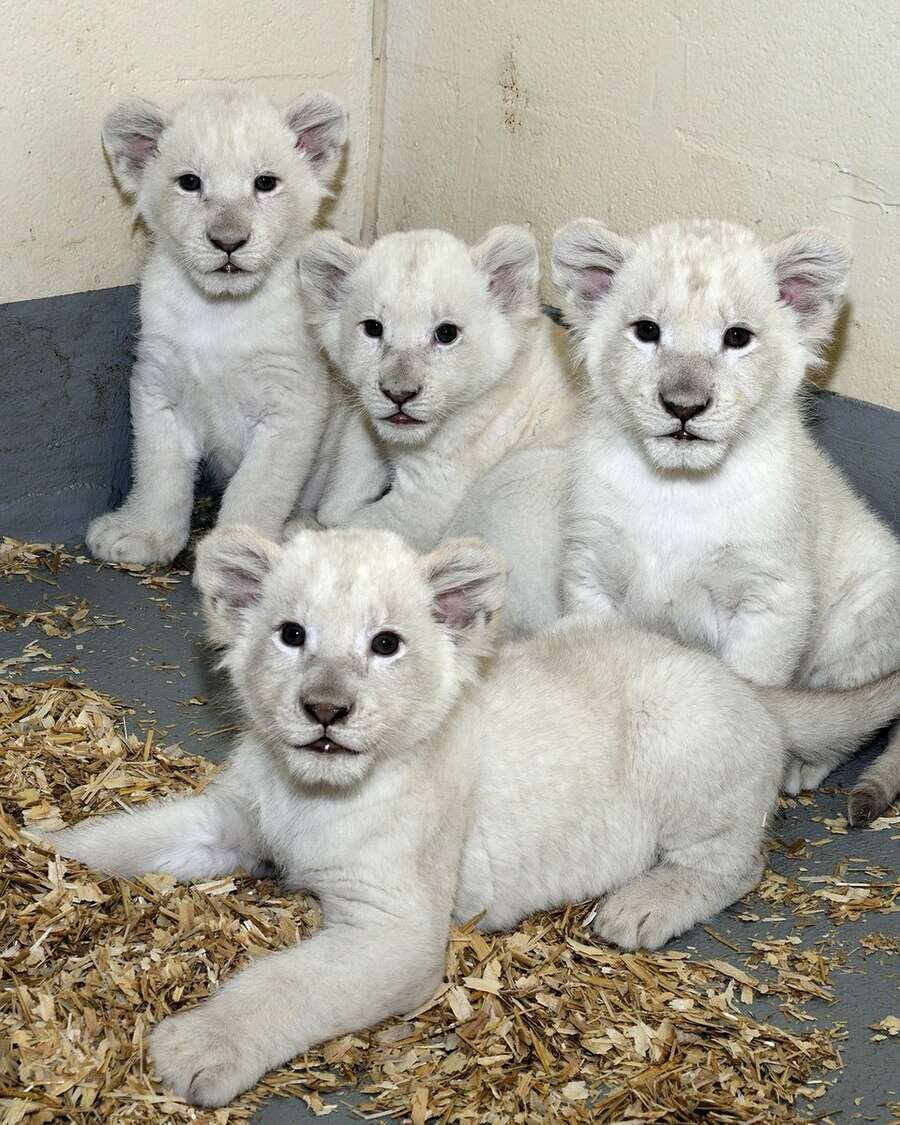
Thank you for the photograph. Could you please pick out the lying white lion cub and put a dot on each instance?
(396, 771)
(701, 506)
(226, 373)
(465, 392)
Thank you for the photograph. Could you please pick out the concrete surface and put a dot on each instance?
(156, 661)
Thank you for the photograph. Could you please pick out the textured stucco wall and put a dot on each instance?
(64, 63)
(775, 115)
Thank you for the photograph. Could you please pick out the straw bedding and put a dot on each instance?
(542, 1024)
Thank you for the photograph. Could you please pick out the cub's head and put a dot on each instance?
(346, 647)
(696, 334)
(227, 183)
(420, 324)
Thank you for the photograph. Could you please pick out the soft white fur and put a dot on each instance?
(225, 370)
(494, 409)
(748, 543)
(590, 760)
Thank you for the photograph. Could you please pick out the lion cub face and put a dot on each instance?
(420, 324)
(696, 334)
(347, 646)
(227, 183)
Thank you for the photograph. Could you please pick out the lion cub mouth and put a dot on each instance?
(401, 419)
(326, 746)
(230, 267)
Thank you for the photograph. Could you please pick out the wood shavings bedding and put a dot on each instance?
(538, 1025)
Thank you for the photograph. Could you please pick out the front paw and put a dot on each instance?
(634, 917)
(199, 1056)
(800, 776)
(119, 537)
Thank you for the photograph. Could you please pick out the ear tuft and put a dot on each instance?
(231, 566)
(509, 257)
(811, 271)
(469, 582)
(131, 135)
(585, 259)
(319, 123)
(325, 264)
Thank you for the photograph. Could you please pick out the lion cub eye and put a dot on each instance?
(292, 634)
(737, 337)
(386, 643)
(647, 331)
(373, 328)
(446, 333)
(265, 183)
(189, 182)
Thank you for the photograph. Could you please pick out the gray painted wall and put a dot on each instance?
(64, 431)
(64, 434)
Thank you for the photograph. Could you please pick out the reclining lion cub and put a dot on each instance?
(396, 771)
(464, 392)
(227, 186)
(702, 507)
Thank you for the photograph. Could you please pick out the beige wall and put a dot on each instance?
(773, 114)
(64, 63)
(776, 115)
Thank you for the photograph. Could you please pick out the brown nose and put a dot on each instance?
(228, 247)
(399, 397)
(683, 411)
(326, 713)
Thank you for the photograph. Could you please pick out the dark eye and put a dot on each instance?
(385, 644)
(737, 337)
(647, 331)
(265, 183)
(189, 182)
(293, 634)
(373, 328)
(446, 333)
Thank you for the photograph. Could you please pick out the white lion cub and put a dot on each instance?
(394, 770)
(702, 507)
(465, 392)
(227, 186)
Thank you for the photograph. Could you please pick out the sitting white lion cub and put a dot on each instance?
(401, 776)
(702, 508)
(465, 392)
(227, 185)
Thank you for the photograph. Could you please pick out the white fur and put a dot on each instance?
(494, 408)
(749, 543)
(225, 371)
(590, 760)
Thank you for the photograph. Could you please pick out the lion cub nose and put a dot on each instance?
(683, 411)
(229, 246)
(399, 397)
(326, 713)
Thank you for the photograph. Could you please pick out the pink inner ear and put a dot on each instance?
(799, 293)
(241, 588)
(142, 148)
(594, 283)
(453, 609)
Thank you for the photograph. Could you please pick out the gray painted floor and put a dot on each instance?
(156, 661)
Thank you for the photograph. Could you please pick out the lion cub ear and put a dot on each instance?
(231, 568)
(811, 270)
(585, 259)
(325, 265)
(319, 125)
(468, 580)
(508, 256)
(131, 135)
